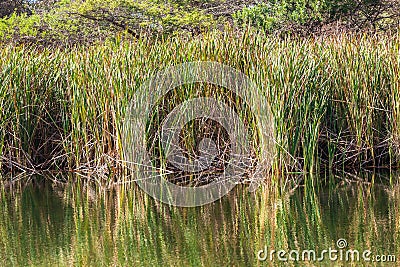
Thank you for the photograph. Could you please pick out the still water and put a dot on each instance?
(50, 225)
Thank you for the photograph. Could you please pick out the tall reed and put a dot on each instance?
(335, 100)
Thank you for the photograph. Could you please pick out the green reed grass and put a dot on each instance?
(335, 100)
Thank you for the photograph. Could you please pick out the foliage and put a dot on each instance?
(91, 20)
(77, 21)
(23, 24)
(310, 15)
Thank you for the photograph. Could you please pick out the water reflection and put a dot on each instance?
(88, 226)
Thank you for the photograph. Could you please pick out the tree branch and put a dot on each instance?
(112, 21)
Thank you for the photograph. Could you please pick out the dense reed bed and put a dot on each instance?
(335, 100)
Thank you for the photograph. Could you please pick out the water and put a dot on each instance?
(63, 226)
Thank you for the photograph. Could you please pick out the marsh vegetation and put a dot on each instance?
(334, 101)
(68, 194)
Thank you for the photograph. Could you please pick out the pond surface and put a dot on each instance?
(64, 226)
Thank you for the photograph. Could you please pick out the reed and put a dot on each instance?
(335, 100)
